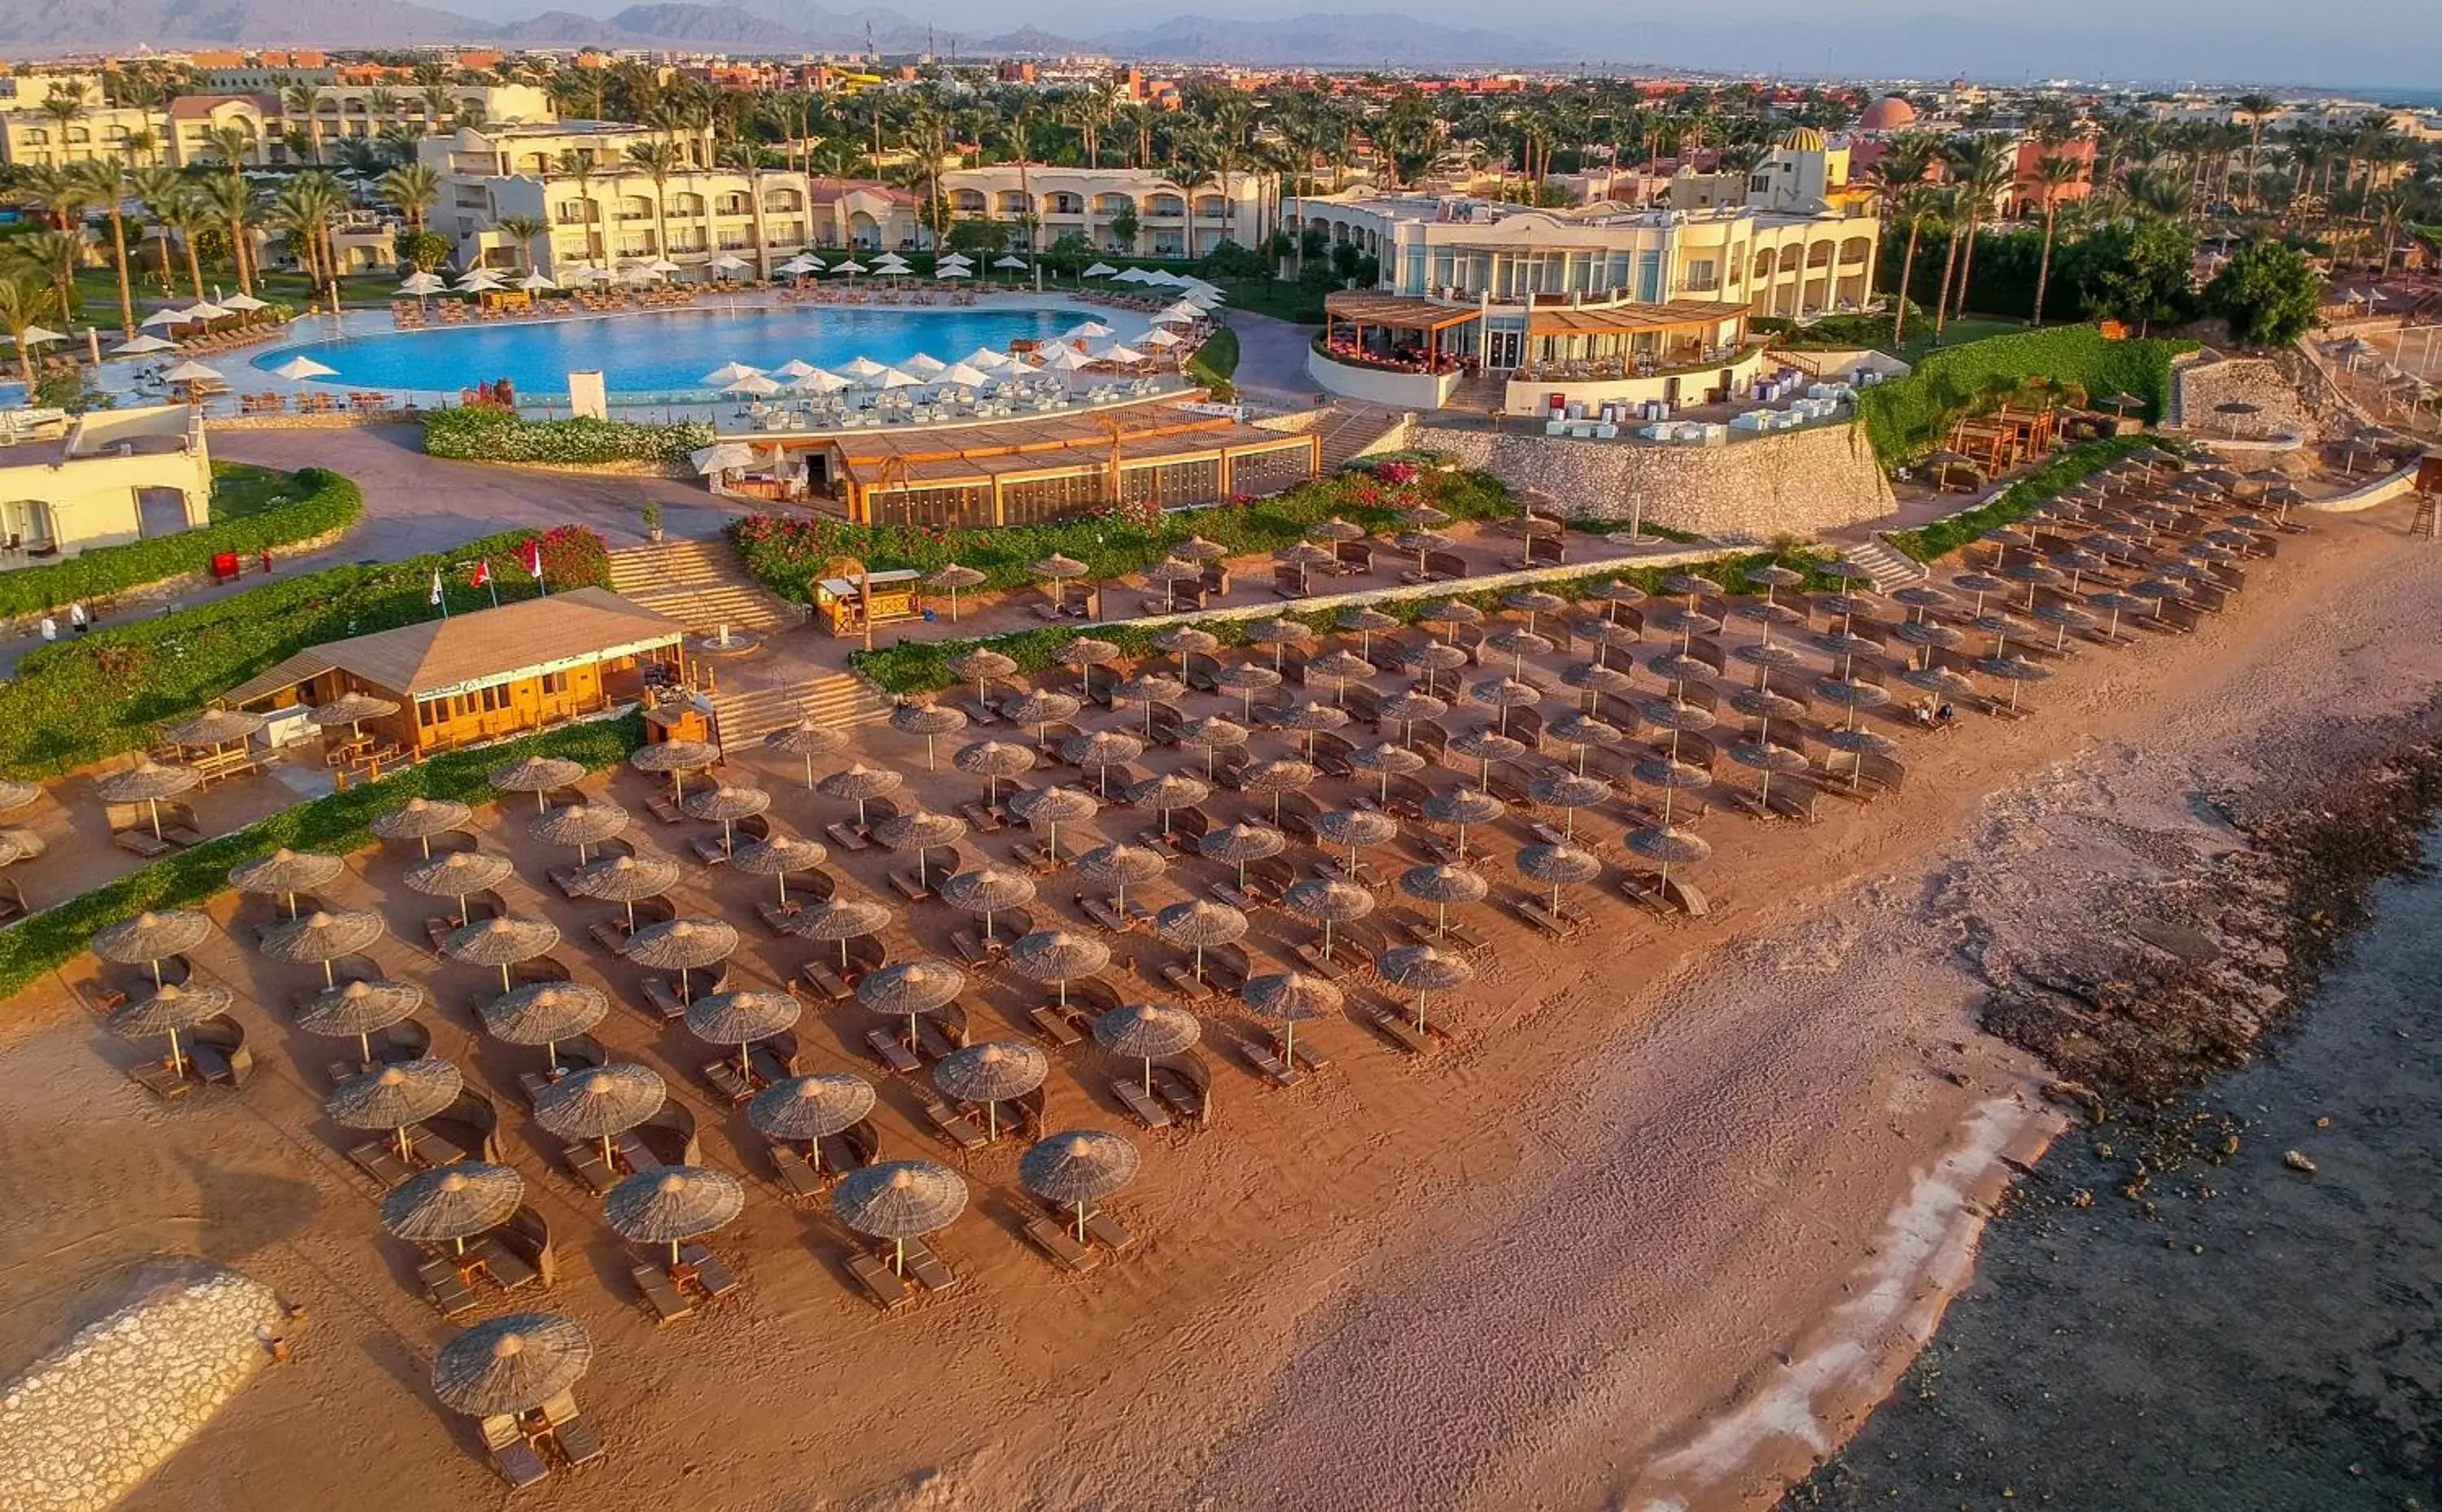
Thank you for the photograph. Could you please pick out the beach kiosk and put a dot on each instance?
(852, 605)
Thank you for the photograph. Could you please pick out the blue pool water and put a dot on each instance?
(664, 351)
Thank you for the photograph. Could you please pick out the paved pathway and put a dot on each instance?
(1271, 357)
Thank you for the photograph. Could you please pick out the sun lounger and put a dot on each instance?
(379, 1160)
(884, 1285)
(1037, 858)
(610, 934)
(797, 1173)
(892, 1051)
(1110, 1231)
(710, 849)
(564, 878)
(711, 1272)
(578, 1443)
(1103, 914)
(956, 1125)
(181, 834)
(664, 1001)
(1132, 1096)
(930, 1042)
(1184, 982)
(1056, 1241)
(729, 1082)
(1309, 1057)
(633, 1150)
(928, 1269)
(432, 1149)
(141, 843)
(1309, 954)
(1057, 1024)
(1227, 892)
(585, 1162)
(848, 836)
(1394, 1026)
(1268, 1065)
(660, 808)
(665, 1300)
(972, 948)
(907, 884)
(778, 917)
(507, 1269)
(100, 998)
(824, 980)
(512, 1455)
(1182, 1099)
(1538, 913)
(444, 1288)
(982, 820)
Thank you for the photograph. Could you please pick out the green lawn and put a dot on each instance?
(97, 288)
(1216, 361)
(241, 488)
(1958, 332)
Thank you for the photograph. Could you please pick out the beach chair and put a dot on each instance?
(578, 1443)
(508, 1270)
(444, 1288)
(711, 1272)
(512, 1455)
(884, 1285)
(1394, 1025)
(892, 1051)
(1106, 1229)
(927, 1269)
(378, 1159)
(585, 1162)
(1058, 1027)
(954, 1125)
(797, 1173)
(1268, 1065)
(731, 1082)
(1132, 1096)
(666, 1300)
(1055, 1240)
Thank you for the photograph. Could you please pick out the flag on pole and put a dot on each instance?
(483, 578)
(438, 595)
(531, 554)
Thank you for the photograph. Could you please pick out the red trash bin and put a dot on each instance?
(225, 567)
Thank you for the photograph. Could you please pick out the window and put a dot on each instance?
(555, 684)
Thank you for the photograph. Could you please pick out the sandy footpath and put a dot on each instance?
(1667, 1217)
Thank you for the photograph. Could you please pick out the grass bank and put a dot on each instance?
(2064, 471)
(334, 825)
(1908, 417)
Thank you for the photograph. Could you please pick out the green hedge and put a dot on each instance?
(1908, 417)
(923, 666)
(477, 433)
(327, 503)
(1216, 362)
(94, 695)
(2016, 502)
(334, 825)
(787, 550)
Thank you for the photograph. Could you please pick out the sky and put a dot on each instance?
(2396, 43)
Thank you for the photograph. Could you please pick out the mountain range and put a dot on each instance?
(33, 28)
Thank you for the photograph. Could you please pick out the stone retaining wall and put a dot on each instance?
(2258, 381)
(1800, 482)
(87, 1423)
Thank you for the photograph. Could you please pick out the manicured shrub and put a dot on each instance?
(1908, 417)
(478, 433)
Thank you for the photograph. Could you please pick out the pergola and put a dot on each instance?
(1596, 331)
(1359, 308)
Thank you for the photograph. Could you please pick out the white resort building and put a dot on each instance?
(1602, 303)
(1173, 217)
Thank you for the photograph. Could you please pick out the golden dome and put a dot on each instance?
(1804, 140)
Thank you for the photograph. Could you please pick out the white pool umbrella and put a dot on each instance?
(1117, 353)
(801, 264)
(418, 283)
(1177, 311)
(1066, 359)
(755, 384)
(794, 368)
(167, 317)
(1100, 270)
(641, 273)
(35, 336)
(848, 265)
(1162, 276)
(297, 369)
(728, 264)
(862, 369)
(893, 378)
(986, 358)
(963, 375)
(727, 375)
(662, 265)
(479, 279)
(1158, 338)
(820, 382)
(204, 311)
(536, 282)
(1133, 275)
(1086, 331)
(889, 260)
(142, 345)
(192, 373)
(1015, 263)
(924, 365)
(953, 270)
(244, 303)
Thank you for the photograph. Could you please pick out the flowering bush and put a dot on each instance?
(575, 557)
(479, 433)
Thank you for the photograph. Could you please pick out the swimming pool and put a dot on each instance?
(664, 351)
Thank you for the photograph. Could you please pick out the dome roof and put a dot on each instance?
(1804, 140)
(1890, 113)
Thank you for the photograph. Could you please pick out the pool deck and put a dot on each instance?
(118, 375)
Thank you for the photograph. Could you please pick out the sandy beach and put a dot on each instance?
(1653, 1232)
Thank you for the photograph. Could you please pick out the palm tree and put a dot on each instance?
(2054, 172)
(106, 177)
(24, 300)
(56, 256)
(2255, 107)
(1983, 166)
(527, 230)
(1187, 175)
(2157, 193)
(303, 209)
(414, 187)
(229, 144)
(1897, 177)
(155, 186)
(58, 193)
(658, 162)
(576, 163)
(232, 200)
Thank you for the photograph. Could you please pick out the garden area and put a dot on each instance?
(253, 510)
(923, 666)
(1908, 417)
(788, 551)
(2063, 471)
(482, 433)
(99, 695)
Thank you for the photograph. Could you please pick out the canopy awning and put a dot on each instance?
(1363, 307)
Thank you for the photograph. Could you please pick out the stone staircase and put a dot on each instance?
(1890, 567)
(745, 715)
(1348, 429)
(700, 584)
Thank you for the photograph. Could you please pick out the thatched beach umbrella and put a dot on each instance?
(420, 819)
(920, 831)
(1365, 622)
(740, 1019)
(509, 1366)
(932, 722)
(147, 782)
(1101, 751)
(1279, 632)
(911, 988)
(806, 740)
(1196, 549)
(1146, 1031)
(725, 805)
(1200, 923)
(351, 709)
(988, 890)
(1568, 792)
(284, 873)
(1668, 845)
(1594, 678)
(899, 1200)
(358, 1011)
(502, 941)
(1304, 556)
(1337, 669)
(992, 761)
(1044, 709)
(581, 825)
(860, 784)
(1212, 734)
(952, 578)
(1442, 885)
(600, 1103)
(458, 873)
(991, 1073)
(1238, 843)
(537, 776)
(1277, 779)
(1311, 718)
(1058, 957)
(1423, 970)
(151, 938)
(812, 1108)
(1356, 828)
(1485, 746)
(17, 795)
(981, 665)
(1463, 805)
(842, 920)
(1289, 999)
(1078, 1168)
(393, 1097)
(1767, 761)
(2014, 670)
(168, 1009)
(1247, 680)
(1084, 654)
(1386, 761)
(1167, 792)
(1559, 866)
(1672, 776)
(1170, 571)
(544, 1013)
(1120, 867)
(1409, 707)
(777, 858)
(682, 945)
(1450, 613)
(214, 728)
(1328, 902)
(321, 937)
(673, 1204)
(624, 879)
(1047, 808)
(453, 1203)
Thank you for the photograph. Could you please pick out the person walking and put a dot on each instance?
(78, 620)
(50, 628)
